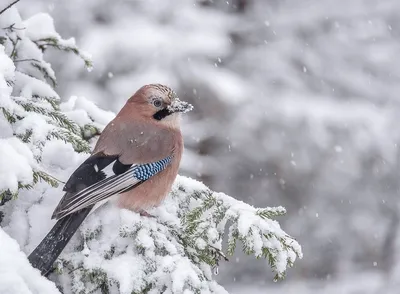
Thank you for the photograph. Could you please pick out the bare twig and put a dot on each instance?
(13, 54)
(219, 252)
(12, 27)
(11, 4)
(28, 59)
(77, 268)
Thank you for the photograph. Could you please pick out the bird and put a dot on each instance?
(135, 161)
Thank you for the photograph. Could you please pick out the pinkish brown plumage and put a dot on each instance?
(138, 138)
(136, 158)
(155, 189)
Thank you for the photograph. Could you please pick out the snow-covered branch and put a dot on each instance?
(177, 249)
(16, 273)
(31, 115)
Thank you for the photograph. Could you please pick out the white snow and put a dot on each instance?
(17, 276)
(7, 67)
(40, 26)
(16, 164)
(7, 74)
(84, 111)
(27, 86)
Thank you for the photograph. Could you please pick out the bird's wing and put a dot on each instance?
(125, 156)
(101, 177)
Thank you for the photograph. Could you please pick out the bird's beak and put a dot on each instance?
(179, 106)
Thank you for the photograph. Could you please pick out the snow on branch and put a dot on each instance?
(254, 228)
(29, 106)
(16, 273)
(177, 249)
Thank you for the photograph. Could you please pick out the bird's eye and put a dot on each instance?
(157, 103)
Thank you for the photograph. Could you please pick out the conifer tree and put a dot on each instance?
(29, 104)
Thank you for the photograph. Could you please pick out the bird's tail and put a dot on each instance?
(46, 253)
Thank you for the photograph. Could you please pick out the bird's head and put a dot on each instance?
(159, 103)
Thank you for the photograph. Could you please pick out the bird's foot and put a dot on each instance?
(145, 213)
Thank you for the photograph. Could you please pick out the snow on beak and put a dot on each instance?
(179, 106)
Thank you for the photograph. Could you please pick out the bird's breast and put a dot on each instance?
(152, 192)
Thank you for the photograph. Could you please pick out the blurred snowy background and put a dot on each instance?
(296, 104)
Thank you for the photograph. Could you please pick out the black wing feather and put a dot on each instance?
(88, 173)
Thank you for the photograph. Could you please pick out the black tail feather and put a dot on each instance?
(46, 253)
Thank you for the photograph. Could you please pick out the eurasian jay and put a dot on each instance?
(136, 158)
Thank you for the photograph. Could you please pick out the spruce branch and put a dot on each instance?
(42, 176)
(53, 101)
(77, 142)
(38, 175)
(26, 137)
(190, 230)
(19, 107)
(46, 74)
(243, 228)
(59, 118)
(10, 118)
(54, 42)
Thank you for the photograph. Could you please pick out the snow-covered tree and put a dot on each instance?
(30, 108)
(115, 251)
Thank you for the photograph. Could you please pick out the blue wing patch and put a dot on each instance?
(143, 172)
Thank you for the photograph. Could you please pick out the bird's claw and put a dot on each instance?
(145, 213)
